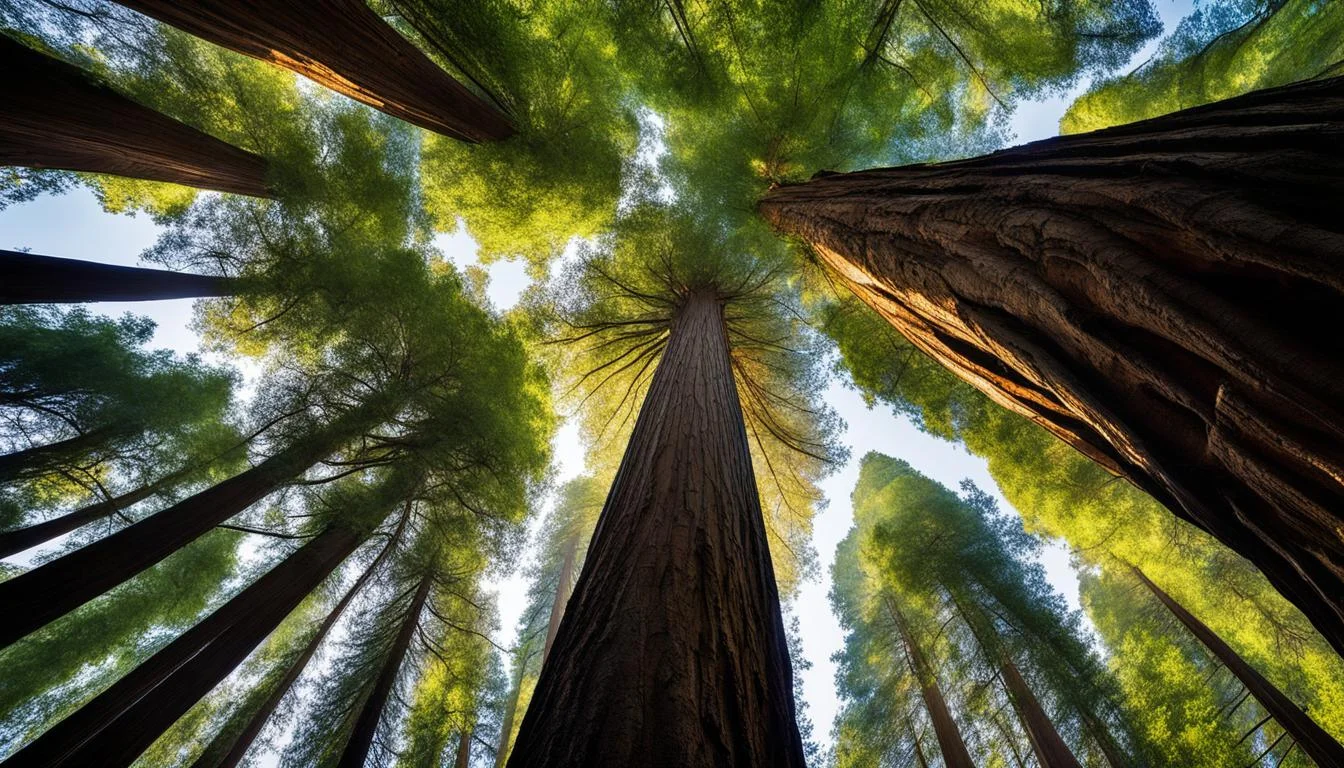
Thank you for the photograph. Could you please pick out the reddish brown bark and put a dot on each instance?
(1320, 746)
(38, 459)
(54, 115)
(345, 46)
(366, 724)
(1046, 743)
(672, 649)
(124, 720)
(463, 758)
(13, 542)
(563, 586)
(1153, 294)
(49, 591)
(27, 278)
(945, 727)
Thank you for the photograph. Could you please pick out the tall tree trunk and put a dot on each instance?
(1046, 743)
(366, 725)
(49, 591)
(54, 115)
(1322, 748)
(945, 727)
(124, 720)
(673, 647)
(1153, 294)
(563, 586)
(1101, 734)
(463, 758)
(345, 46)
(510, 713)
(27, 278)
(34, 461)
(13, 542)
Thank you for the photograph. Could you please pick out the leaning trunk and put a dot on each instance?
(1046, 743)
(672, 645)
(1322, 748)
(366, 724)
(510, 713)
(34, 461)
(563, 586)
(32, 599)
(1157, 295)
(944, 726)
(54, 115)
(27, 278)
(13, 542)
(345, 46)
(124, 720)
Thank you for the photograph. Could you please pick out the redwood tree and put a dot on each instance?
(1151, 293)
(944, 726)
(54, 115)
(26, 278)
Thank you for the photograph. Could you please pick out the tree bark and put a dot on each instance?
(366, 725)
(13, 542)
(27, 278)
(123, 721)
(1320, 746)
(945, 727)
(34, 461)
(510, 713)
(672, 650)
(1046, 743)
(1154, 294)
(463, 758)
(54, 115)
(345, 46)
(49, 591)
(564, 585)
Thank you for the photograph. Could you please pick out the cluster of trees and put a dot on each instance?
(1117, 321)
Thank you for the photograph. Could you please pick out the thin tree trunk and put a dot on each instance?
(673, 647)
(945, 727)
(1153, 294)
(54, 115)
(510, 713)
(366, 725)
(1046, 743)
(32, 599)
(1320, 746)
(1101, 734)
(13, 542)
(345, 46)
(27, 278)
(33, 461)
(463, 759)
(564, 585)
(122, 722)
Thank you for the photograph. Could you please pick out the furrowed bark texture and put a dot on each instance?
(54, 115)
(1322, 748)
(672, 650)
(345, 46)
(27, 278)
(563, 586)
(945, 727)
(1046, 743)
(371, 713)
(1158, 295)
(124, 720)
(49, 591)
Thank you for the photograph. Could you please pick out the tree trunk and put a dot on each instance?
(366, 725)
(564, 585)
(27, 278)
(345, 46)
(54, 115)
(34, 461)
(1101, 734)
(1322, 748)
(673, 648)
(34, 598)
(510, 713)
(13, 542)
(1157, 295)
(1046, 743)
(945, 727)
(463, 759)
(124, 720)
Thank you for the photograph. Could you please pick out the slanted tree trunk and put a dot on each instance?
(345, 46)
(54, 115)
(27, 278)
(1320, 746)
(673, 647)
(463, 758)
(34, 461)
(563, 586)
(510, 713)
(49, 591)
(1046, 743)
(124, 720)
(366, 725)
(945, 727)
(1157, 295)
(1101, 734)
(13, 542)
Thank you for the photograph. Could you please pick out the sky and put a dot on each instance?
(73, 225)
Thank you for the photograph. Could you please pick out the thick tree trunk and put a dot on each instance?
(1157, 295)
(345, 46)
(27, 278)
(1046, 743)
(366, 725)
(54, 115)
(13, 542)
(463, 758)
(124, 720)
(672, 649)
(945, 727)
(563, 586)
(1322, 748)
(32, 599)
